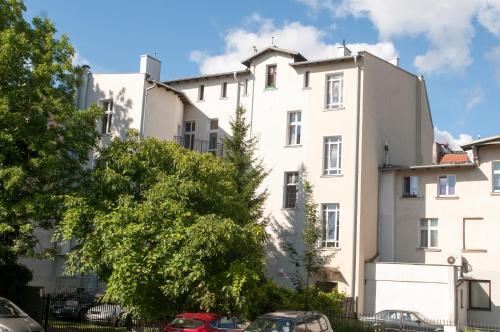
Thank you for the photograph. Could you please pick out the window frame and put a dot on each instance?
(275, 76)
(214, 131)
(494, 173)
(245, 87)
(332, 77)
(410, 194)
(298, 127)
(464, 234)
(324, 241)
(447, 185)
(489, 295)
(428, 228)
(107, 119)
(307, 81)
(223, 90)
(201, 92)
(191, 133)
(327, 169)
(286, 192)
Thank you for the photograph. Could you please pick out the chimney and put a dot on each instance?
(342, 50)
(150, 66)
(394, 60)
(81, 99)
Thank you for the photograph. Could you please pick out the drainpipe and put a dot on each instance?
(238, 90)
(144, 104)
(84, 88)
(355, 196)
(253, 94)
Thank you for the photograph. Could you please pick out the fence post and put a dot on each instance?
(46, 312)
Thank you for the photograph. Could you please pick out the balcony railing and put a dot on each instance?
(199, 145)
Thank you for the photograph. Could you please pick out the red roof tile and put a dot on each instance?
(454, 158)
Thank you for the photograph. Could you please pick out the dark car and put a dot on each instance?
(401, 320)
(70, 306)
(290, 321)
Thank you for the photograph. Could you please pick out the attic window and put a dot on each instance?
(271, 76)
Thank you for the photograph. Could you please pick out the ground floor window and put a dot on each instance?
(428, 233)
(480, 294)
(327, 286)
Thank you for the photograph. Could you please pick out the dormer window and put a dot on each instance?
(271, 76)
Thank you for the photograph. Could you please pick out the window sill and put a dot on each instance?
(330, 248)
(447, 197)
(270, 88)
(289, 208)
(306, 88)
(480, 309)
(411, 198)
(293, 146)
(495, 193)
(245, 95)
(474, 250)
(429, 249)
(331, 109)
(223, 98)
(200, 101)
(331, 175)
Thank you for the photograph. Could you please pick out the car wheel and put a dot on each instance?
(378, 328)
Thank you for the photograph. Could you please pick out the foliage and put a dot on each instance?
(13, 277)
(44, 141)
(311, 259)
(250, 172)
(272, 297)
(158, 223)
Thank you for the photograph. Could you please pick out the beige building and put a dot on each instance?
(436, 216)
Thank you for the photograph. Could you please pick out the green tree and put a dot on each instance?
(240, 150)
(158, 223)
(44, 141)
(311, 259)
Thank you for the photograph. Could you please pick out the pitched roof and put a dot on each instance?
(297, 56)
(182, 96)
(482, 141)
(454, 158)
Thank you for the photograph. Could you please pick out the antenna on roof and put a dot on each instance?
(478, 136)
(343, 42)
(255, 49)
(272, 41)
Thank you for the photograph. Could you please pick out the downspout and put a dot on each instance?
(143, 115)
(253, 94)
(237, 90)
(356, 168)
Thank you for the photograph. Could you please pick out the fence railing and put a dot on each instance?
(199, 145)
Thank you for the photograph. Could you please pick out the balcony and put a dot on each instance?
(198, 145)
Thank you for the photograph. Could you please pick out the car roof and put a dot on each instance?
(205, 316)
(295, 315)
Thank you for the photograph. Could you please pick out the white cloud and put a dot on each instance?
(447, 25)
(443, 137)
(307, 39)
(475, 96)
(494, 57)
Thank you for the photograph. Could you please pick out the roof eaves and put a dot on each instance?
(482, 141)
(432, 166)
(182, 96)
(322, 61)
(206, 77)
(297, 56)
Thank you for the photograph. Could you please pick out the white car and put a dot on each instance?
(13, 319)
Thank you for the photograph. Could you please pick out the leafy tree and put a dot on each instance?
(311, 259)
(250, 172)
(158, 223)
(44, 141)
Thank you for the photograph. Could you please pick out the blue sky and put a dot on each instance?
(455, 44)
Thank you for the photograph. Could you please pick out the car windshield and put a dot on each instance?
(186, 323)
(270, 325)
(9, 310)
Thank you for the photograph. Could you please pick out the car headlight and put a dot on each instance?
(4, 328)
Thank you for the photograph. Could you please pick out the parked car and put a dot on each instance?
(108, 314)
(13, 319)
(290, 321)
(70, 306)
(193, 322)
(401, 320)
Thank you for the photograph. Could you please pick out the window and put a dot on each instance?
(306, 79)
(447, 185)
(189, 129)
(313, 326)
(334, 91)
(107, 106)
(496, 176)
(291, 179)
(330, 226)
(294, 128)
(428, 233)
(212, 140)
(322, 321)
(474, 234)
(333, 155)
(410, 186)
(245, 88)
(201, 92)
(223, 92)
(480, 295)
(271, 76)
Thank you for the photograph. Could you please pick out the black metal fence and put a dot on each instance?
(198, 145)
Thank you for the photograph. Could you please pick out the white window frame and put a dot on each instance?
(428, 228)
(481, 227)
(307, 79)
(330, 80)
(287, 185)
(294, 125)
(413, 181)
(214, 130)
(201, 92)
(495, 173)
(108, 116)
(275, 77)
(326, 209)
(223, 90)
(328, 169)
(447, 194)
(189, 133)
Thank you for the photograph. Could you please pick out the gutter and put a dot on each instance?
(356, 182)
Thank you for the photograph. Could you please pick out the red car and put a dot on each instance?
(195, 322)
